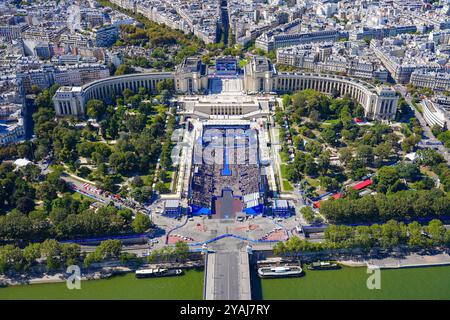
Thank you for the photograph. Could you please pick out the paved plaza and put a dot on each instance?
(200, 229)
(227, 86)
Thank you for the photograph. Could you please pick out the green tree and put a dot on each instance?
(181, 250)
(31, 253)
(329, 135)
(25, 204)
(385, 178)
(391, 234)
(364, 237)
(51, 250)
(95, 108)
(141, 223)
(124, 69)
(166, 84)
(70, 253)
(364, 154)
(11, 258)
(25, 150)
(308, 214)
(15, 226)
(436, 230)
(109, 249)
(416, 237)
(429, 157)
(383, 150)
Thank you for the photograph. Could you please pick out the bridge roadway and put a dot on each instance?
(227, 276)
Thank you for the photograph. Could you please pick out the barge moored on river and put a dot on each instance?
(323, 265)
(156, 273)
(280, 272)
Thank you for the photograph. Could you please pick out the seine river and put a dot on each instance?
(347, 283)
(351, 283)
(188, 286)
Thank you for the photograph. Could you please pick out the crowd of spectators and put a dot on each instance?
(243, 175)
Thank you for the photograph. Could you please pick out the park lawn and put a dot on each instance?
(242, 63)
(313, 182)
(54, 167)
(284, 156)
(167, 185)
(327, 123)
(79, 196)
(148, 179)
(287, 186)
(426, 171)
(417, 106)
(170, 174)
(283, 169)
(160, 109)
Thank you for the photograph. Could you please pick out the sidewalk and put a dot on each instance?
(412, 260)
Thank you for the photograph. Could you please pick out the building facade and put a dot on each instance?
(269, 42)
(260, 76)
(106, 36)
(378, 102)
(11, 124)
(191, 76)
(11, 32)
(73, 100)
(76, 75)
(328, 58)
(436, 112)
(438, 81)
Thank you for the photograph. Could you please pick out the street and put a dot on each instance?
(426, 129)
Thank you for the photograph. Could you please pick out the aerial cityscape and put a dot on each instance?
(225, 150)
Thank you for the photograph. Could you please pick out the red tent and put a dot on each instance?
(334, 196)
(362, 184)
(337, 195)
(358, 186)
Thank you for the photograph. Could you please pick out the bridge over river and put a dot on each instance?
(227, 276)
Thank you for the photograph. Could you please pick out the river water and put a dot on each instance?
(123, 287)
(346, 283)
(351, 283)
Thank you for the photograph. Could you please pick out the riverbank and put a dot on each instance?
(398, 258)
(347, 283)
(100, 273)
(62, 277)
(410, 261)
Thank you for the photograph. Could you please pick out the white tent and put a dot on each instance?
(23, 162)
(411, 156)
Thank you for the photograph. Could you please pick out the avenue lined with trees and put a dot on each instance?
(387, 236)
